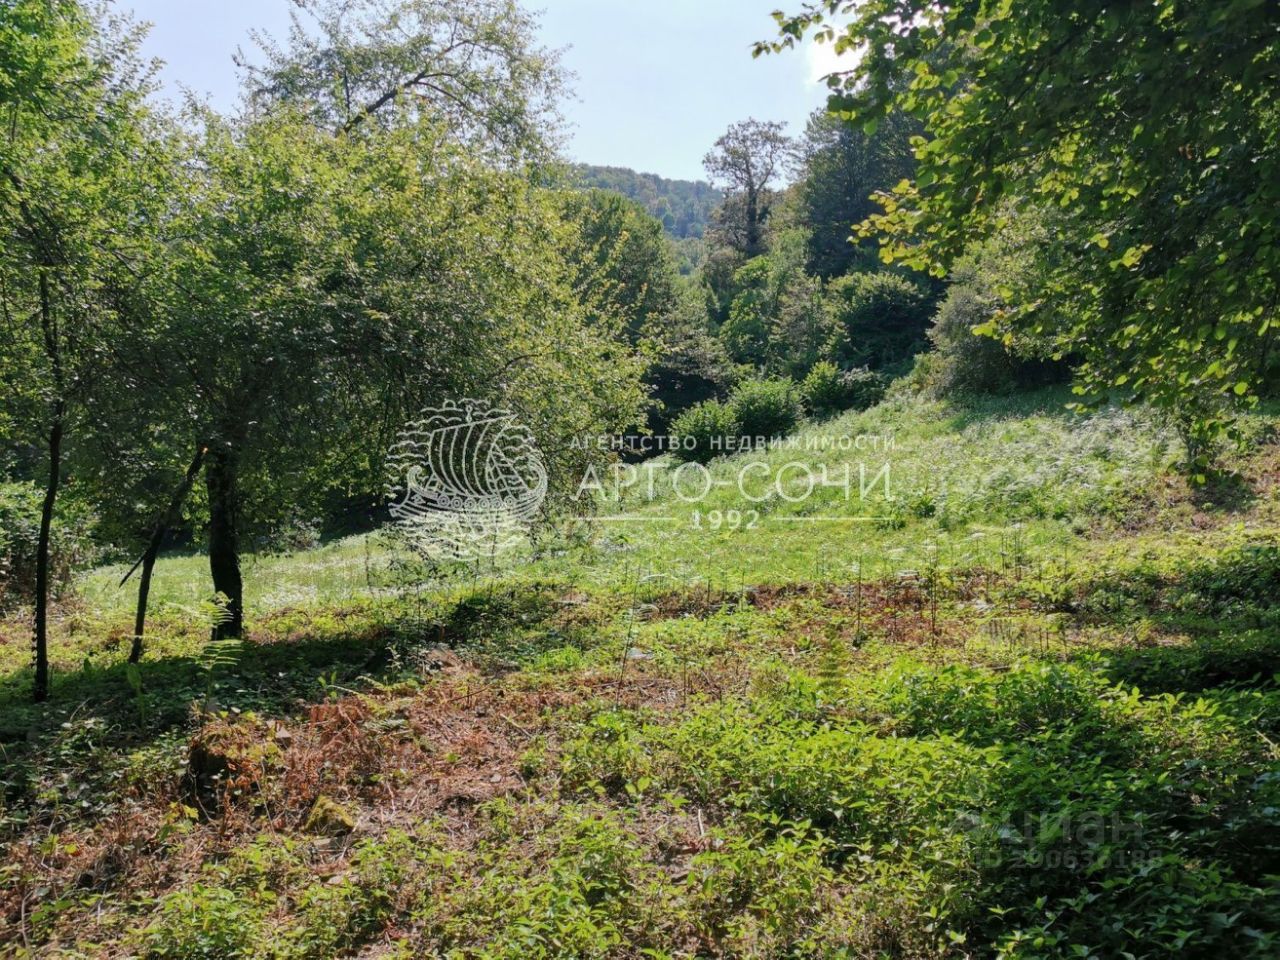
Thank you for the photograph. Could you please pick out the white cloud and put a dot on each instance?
(822, 58)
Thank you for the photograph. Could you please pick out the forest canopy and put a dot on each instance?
(1146, 133)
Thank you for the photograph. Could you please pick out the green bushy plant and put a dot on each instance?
(205, 922)
(828, 390)
(704, 431)
(71, 546)
(766, 408)
(880, 319)
(987, 284)
(966, 362)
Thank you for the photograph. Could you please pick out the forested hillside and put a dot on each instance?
(683, 207)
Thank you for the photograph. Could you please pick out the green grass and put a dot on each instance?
(1001, 475)
(333, 572)
(1028, 709)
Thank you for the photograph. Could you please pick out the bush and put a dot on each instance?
(704, 431)
(766, 408)
(204, 921)
(880, 320)
(70, 546)
(828, 390)
(968, 362)
(964, 362)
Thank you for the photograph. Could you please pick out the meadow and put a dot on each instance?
(1026, 706)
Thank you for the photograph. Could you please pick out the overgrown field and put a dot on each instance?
(1025, 707)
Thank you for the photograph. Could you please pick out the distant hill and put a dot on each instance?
(683, 206)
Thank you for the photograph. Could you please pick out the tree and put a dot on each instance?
(745, 333)
(1153, 128)
(989, 279)
(73, 162)
(622, 258)
(348, 252)
(747, 159)
(473, 66)
(778, 318)
(691, 364)
(330, 287)
(842, 167)
(880, 320)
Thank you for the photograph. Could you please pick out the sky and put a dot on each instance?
(656, 80)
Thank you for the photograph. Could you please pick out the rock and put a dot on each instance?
(329, 818)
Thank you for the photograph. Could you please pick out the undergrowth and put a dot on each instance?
(965, 736)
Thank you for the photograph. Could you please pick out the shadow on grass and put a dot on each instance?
(1228, 661)
(962, 412)
(290, 659)
(1225, 492)
(268, 676)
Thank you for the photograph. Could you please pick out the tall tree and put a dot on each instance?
(841, 168)
(71, 161)
(473, 65)
(622, 258)
(1153, 128)
(332, 286)
(746, 160)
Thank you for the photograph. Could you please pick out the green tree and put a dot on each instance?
(73, 171)
(747, 159)
(880, 320)
(745, 333)
(622, 258)
(778, 318)
(331, 287)
(1153, 128)
(473, 67)
(690, 363)
(842, 167)
(989, 280)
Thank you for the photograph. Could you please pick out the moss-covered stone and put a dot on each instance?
(329, 818)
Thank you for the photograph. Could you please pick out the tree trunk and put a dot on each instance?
(224, 541)
(42, 554)
(752, 217)
(148, 561)
(54, 353)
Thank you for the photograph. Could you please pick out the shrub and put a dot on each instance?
(968, 362)
(964, 362)
(880, 319)
(766, 408)
(828, 390)
(701, 431)
(204, 921)
(70, 548)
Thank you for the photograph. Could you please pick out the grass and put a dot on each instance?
(977, 479)
(334, 572)
(1026, 709)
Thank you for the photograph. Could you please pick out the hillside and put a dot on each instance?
(683, 206)
(1032, 692)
